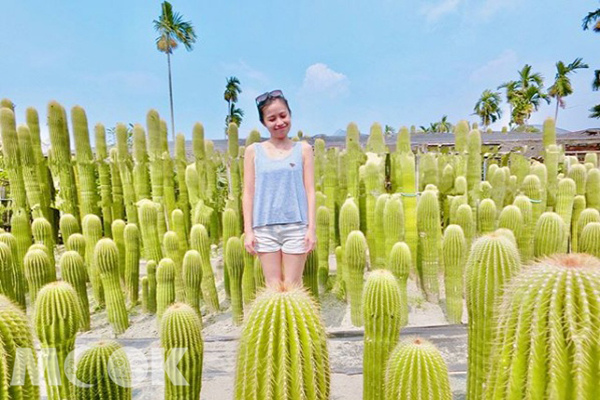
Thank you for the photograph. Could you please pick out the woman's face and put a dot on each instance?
(277, 119)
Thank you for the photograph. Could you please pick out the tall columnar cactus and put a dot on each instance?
(155, 156)
(141, 175)
(564, 204)
(592, 188)
(549, 237)
(486, 214)
(428, 263)
(590, 239)
(393, 223)
(532, 188)
(349, 221)
(493, 261)
(38, 271)
(41, 162)
(539, 170)
(68, 226)
(76, 243)
(323, 220)
(373, 180)
(355, 259)
(14, 265)
(38, 201)
(174, 252)
(118, 207)
(511, 218)
(464, 219)
(200, 242)
(382, 305)
(145, 295)
(61, 154)
(42, 234)
(191, 181)
(428, 170)
(547, 332)
(124, 167)
(578, 173)
(192, 279)
(118, 233)
(379, 255)
(181, 328)
(104, 180)
(552, 155)
(416, 370)
(248, 283)
(588, 215)
(165, 286)
(21, 229)
(399, 263)
(454, 254)
(92, 232)
(7, 272)
(169, 202)
(183, 200)
(473, 163)
(73, 272)
(151, 275)
(310, 277)
(180, 227)
(259, 276)
(105, 373)
(12, 161)
(499, 181)
(376, 141)
(230, 229)
(57, 319)
(86, 168)
(106, 258)
(301, 368)
(234, 262)
(149, 230)
(131, 236)
(526, 243)
(15, 338)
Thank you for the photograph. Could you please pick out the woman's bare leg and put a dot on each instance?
(293, 266)
(271, 265)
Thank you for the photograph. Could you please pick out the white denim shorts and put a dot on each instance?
(287, 237)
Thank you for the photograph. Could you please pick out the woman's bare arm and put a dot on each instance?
(248, 193)
(309, 183)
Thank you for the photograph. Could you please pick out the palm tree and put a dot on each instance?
(389, 131)
(562, 84)
(528, 101)
(592, 17)
(232, 89)
(444, 126)
(595, 111)
(488, 107)
(511, 89)
(526, 78)
(172, 30)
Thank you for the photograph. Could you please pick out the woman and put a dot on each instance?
(279, 196)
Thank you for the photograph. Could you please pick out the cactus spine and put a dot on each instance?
(454, 253)
(549, 235)
(590, 239)
(301, 367)
(310, 277)
(106, 258)
(73, 272)
(416, 370)
(493, 261)
(181, 328)
(57, 319)
(104, 369)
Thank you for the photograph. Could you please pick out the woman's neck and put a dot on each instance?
(279, 142)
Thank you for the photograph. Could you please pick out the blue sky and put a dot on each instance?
(393, 62)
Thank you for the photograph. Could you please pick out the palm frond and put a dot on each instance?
(590, 18)
(595, 111)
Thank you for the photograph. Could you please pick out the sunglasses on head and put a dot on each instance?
(267, 95)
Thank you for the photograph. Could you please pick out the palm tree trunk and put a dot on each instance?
(556, 112)
(171, 98)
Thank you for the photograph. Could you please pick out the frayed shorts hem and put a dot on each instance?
(289, 238)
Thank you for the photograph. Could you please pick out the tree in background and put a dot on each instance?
(234, 114)
(389, 131)
(511, 97)
(593, 17)
(562, 84)
(527, 95)
(488, 108)
(172, 30)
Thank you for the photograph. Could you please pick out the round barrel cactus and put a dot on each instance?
(38, 271)
(301, 368)
(549, 235)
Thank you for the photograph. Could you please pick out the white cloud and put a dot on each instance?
(503, 65)
(322, 80)
(434, 12)
(490, 7)
(243, 70)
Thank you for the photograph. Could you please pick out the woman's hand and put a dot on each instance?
(250, 242)
(310, 240)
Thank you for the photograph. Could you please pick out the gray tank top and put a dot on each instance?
(279, 193)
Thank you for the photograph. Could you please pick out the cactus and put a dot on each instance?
(301, 367)
(526, 242)
(106, 258)
(551, 161)
(532, 188)
(259, 276)
(499, 181)
(7, 272)
(376, 141)
(180, 222)
(73, 272)
(416, 370)
(155, 156)
(382, 304)
(310, 277)
(373, 181)
(86, 169)
(379, 251)
(192, 279)
(547, 331)
(564, 205)
(41, 163)
(92, 232)
(464, 218)
(21, 230)
(104, 180)
(105, 373)
(16, 336)
(428, 263)
(393, 223)
(145, 295)
(175, 253)
(355, 259)
(454, 254)
(399, 263)
(549, 133)
(588, 215)
(578, 173)
(68, 226)
(592, 188)
(486, 213)
(141, 177)
(38, 202)
(473, 163)
(118, 207)
(181, 328)
(13, 270)
(61, 154)
(124, 167)
(199, 241)
(549, 235)
(248, 284)
(541, 172)
(42, 234)
(76, 243)
(165, 286)
(234, 262)
(590, 239)
(230, 229)
(323, 220)
(149, 230)
(511, 218)
(57, 319)
(168, 188)
(118, 234)
(493, 261)
(131, 236)
(191, 181)
(38, 271)
(349, 221)
(12, 160)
